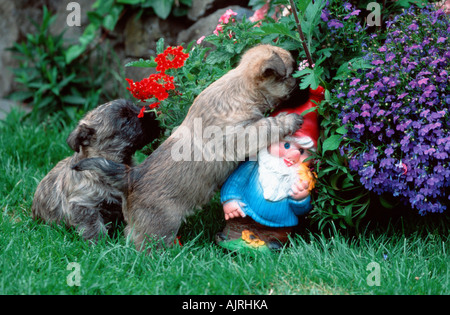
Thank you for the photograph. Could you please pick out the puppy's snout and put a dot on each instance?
(292, 85)
(293, 81)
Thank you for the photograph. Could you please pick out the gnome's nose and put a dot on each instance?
(293, 156)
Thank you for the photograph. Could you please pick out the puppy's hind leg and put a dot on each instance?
(147, 227)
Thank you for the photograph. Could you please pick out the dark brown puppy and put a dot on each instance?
(83, 200)
(190, 165)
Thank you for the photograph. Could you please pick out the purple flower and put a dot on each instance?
(365, 107)
(335, 23)
(377, 62)
(401, 96)
(389, 151)
(359, 127)
(375, 128)
(441, 40)
(390, 132)
(413, 27)
(362, 87)
(373, 93)
(354, 82)
(390, 57)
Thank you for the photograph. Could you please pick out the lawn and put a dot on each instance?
(408, 255)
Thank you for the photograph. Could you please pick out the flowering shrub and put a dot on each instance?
(397, 113)
(157, 85)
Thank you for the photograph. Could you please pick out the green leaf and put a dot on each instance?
(342, 130)
(129, 1)
(352, 65)
(311, 19)
(88, 35)
(277, 28)
(310, 77)
(312, 109)
(142, 63)
(218, 56)
(160, 46)
(111, 19)
(73, 99)
(162, 8)
(109, 22)
(20, 95)
(73, 52)
(331, 143)
(95, 18)
(408, 3)
(302, 5)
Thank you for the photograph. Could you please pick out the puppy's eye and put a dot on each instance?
(287, 145)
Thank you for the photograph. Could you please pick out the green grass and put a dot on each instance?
(412, 253)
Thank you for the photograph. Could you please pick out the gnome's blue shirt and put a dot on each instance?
(243, 186)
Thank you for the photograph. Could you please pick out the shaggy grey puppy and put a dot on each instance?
(82, 200)
(185, 171)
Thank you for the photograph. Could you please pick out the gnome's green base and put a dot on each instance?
(244, 234)
(242, 246)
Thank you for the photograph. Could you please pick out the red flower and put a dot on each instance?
(156, 85)
(171, 58)
(151, 106)
(141, 113)
(154, 105)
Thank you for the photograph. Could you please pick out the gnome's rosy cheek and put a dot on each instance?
(278, 149)
(274, 149)
(291, 152)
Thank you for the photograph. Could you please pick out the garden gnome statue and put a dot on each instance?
(263, 199)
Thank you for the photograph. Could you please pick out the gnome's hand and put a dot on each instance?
(232, 209)
(300, 190)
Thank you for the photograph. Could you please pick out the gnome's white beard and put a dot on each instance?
(275, 177)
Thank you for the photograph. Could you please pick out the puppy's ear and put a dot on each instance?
(274, 66)
(81, 136)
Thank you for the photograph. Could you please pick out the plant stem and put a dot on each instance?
(300, 32)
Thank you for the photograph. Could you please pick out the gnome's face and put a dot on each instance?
(278, 168)
(292, 153)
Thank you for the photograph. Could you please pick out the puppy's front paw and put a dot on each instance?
(291, 122)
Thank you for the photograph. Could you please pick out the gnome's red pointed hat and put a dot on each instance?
(310, 127)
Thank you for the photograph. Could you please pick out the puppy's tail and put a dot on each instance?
(114, 174)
